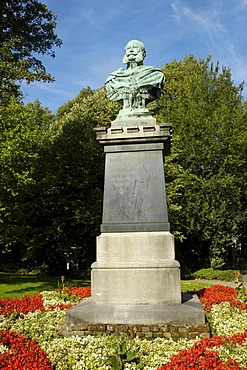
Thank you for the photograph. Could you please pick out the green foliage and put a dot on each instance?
(67, 204)
(123, 353)
(205, 174)
(52, 170)
(52, 183)
(91, 105)
(211, 274)
(242, 292)
(27, 29)
(21, 140)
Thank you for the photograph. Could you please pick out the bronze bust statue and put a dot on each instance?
(136, 85)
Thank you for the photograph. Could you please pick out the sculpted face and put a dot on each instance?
(134, 52)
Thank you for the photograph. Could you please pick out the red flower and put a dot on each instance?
(31, 304)
(81, 292)
(23, 354)
(24, 305)
(201, 356)
(61, 306)
(217, 294)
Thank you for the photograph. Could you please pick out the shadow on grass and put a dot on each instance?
(8, 278)
(28, 290)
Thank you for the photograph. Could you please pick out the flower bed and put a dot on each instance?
(24, 305)
(218, 294)
(22, 353)
(206, 355)
(29, 337)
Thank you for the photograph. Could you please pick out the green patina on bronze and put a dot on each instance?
(136, 85)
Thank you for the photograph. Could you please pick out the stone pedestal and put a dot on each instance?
(134, 191)
(136, 268)
(135, 279)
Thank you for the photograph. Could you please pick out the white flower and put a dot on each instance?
(227, 320)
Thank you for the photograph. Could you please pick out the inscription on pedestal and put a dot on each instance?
(134, 193)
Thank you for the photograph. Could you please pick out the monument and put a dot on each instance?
(135, 279)
(136, 85)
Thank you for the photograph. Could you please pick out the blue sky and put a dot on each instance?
(94, 33)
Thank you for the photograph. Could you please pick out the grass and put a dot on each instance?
(16, 285)
(192, 285)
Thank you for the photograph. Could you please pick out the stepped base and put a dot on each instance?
(190, 312)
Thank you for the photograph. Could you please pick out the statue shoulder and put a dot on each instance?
(118, 73)
(150, 68)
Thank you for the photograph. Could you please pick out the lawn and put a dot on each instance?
(16, 285)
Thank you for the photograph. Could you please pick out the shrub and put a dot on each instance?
(211, 274)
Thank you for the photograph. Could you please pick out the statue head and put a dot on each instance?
(134, 52)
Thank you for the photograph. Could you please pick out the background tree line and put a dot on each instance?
(52, 168)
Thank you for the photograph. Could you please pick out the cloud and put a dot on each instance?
(209, 21)
(176, 8)
(95, 15)
(48, 87)
(206, 18)
(237, 62)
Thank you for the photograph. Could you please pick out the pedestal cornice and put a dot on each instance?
(136, 134)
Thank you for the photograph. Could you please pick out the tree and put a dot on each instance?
(55, 215)
(68, 199)
(52, 171)
(206, 172)
(21, 141)
(27, 29)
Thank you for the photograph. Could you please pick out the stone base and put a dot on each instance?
(190, 312)
(136, 281)
(135, 268)
(141, 331)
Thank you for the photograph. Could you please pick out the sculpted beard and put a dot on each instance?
(138, 58)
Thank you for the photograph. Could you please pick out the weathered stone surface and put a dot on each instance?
(133, 131)
(126, 259)
(187, 313)
(134, 118)
(134, 192)
(141, 331)
(128, 248)
(123, 285)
